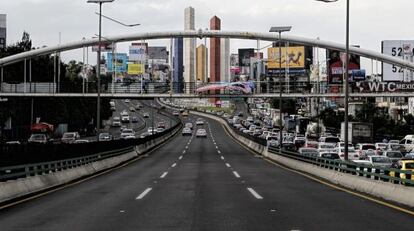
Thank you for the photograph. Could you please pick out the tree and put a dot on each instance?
(288, 105)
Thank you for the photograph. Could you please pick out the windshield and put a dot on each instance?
(332, 140)
(68, 135)
(380, 160)
(409, 166)
(38, 137)
(366, 147)
(394, 154)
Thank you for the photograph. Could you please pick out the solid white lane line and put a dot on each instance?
(143, 194)
(163, 175)
(180, 157)
(236, 174)
(255, 194)
(175, 164)
(222, 157)
(228, 165)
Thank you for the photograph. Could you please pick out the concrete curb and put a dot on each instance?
(10, 190)
(391, 192)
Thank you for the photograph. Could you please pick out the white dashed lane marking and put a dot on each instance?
(236, 174)
(228, 165)
(163, 175)
(143, 194)
(255, 194)
(175, 164)
(180, 157)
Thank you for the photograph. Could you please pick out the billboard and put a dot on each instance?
(336, 68)
(136, 69)
(137, 53)
(158, 53)
(117, 63)
(402, 49)
(244, 57)
(293, 57)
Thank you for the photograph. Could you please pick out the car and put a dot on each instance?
(127, 101)
(240, 114)
(123, 128)
(250, 119)
(70, 137)
(124, 113)
(15, 142)
(201, 133)
(352, 153)
(310, 152)
(186, 131)
(144, 134)
(81, 141)
(116, 122)
(38, 138)
(145, 115)
(105, 137)
(127, 134)
(394, 156)
(134, 119)
(404, 165)
(161, 125)
(380, 147)
(311, 144)
(225, 115)
(395, 147)
(125, 119)
(159, 130)
(299, 141)
(176, 113)
(185, 113)
(329, 155)
(393, 142)
(342, 145)
(138, 106)
(365, 150)
(326, 146)
(189, 125)
(380, 161)
(199, 121)
(132, 109)
(151, 130)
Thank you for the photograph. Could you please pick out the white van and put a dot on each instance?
(408, 143)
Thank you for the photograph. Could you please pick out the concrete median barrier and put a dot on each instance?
(22, 187)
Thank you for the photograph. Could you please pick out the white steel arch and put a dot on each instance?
(202, 34)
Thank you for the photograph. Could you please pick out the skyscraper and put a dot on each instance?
(201, 63)
(189, 47)
(178, 82)
(3, 34)
(225, 60)
(215, 51)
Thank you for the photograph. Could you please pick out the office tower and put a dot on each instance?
(3, 34)
(215, 51)
(189, 48)
(225, 60)
(178, 82)
(201, 63)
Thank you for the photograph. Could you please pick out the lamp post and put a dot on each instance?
(98, 67)
(280, 29)
(346, 75)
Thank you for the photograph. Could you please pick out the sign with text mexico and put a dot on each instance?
(402, 49)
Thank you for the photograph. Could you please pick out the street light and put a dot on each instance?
(346, 75)
(98, 67)
(280, 29)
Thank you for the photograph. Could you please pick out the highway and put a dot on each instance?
(202, 184)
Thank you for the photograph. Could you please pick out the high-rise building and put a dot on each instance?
(3, 34)
(225, 60)
(178, 82)
(189, 47)
(201, 63)
(215, 51)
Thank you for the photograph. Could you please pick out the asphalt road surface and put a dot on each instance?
(202, 184)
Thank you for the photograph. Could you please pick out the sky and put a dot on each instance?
(371, 21)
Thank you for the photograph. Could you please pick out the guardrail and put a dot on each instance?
(34, 159)
(371, 172)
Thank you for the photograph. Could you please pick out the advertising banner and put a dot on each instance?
(234, 60)
(118, 62)
(293, 57)
(244, 57)
(402, 49)
(136, 69)
(137, 53)
(411, 105)
(358, 75)
(336, 68)
(158, 53)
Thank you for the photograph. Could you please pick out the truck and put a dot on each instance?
(358, 132)
(41, 133)
(312, 132)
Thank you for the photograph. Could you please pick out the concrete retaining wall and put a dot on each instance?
(24, 186)
(385, 190)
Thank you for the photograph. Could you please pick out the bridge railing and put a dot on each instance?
(392, 175)
(157, 87)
